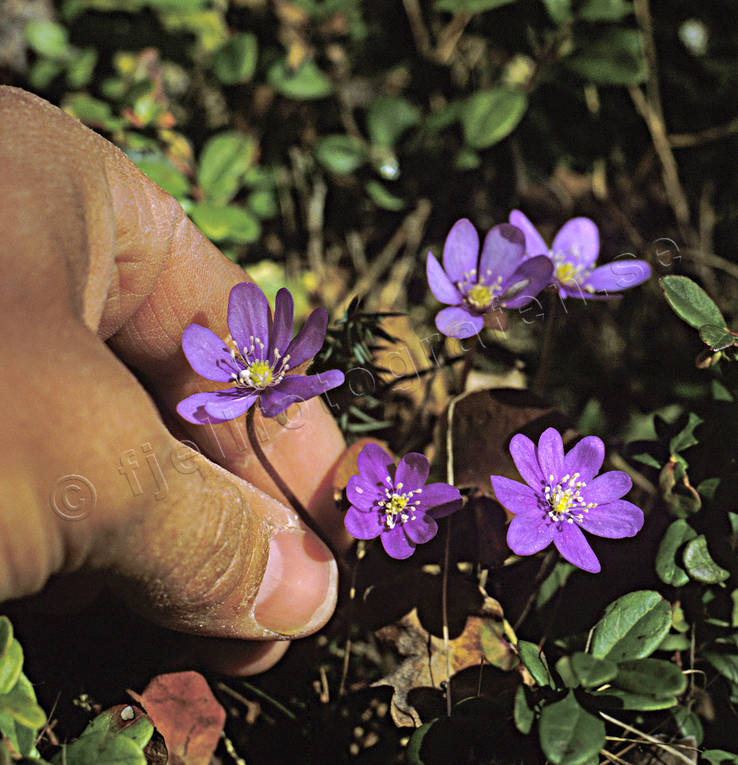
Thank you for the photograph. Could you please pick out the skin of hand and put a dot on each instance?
(101, 273)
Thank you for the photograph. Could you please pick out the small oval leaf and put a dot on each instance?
(491, 115)
(668, 570)
(568, 734)
(690, 302)
(699, 563)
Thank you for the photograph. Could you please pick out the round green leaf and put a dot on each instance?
(558, 10)
(44, 72)
(226, 223)
(164, 174)
(668, 570)
(20, 704)
(632, 627)
(340, 153)
(47, 38)
(717, 337)
(535, 662)
(389, 117)
(617, 698)
(568, 734)
(412, 753)
(383, 198)
(236, 61)
(469, 6)
(490, 115)
(605, 10)
(523, 715)
(690, 302)
(223, 162)
(97, 748)
(6, 634)
(263, 203)
(592, 672)
(81, 68)
(699, 563)
(614, 58)
(653, 677)
(307, 82)
(11, 664)
(688, 723)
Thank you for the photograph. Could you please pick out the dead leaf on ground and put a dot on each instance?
(183, 709)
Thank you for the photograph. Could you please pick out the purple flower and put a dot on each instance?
(473, 284)
(574, 253)
(563, 496)
(258, 364)
(394, 503)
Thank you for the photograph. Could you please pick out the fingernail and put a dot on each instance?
(298, 591)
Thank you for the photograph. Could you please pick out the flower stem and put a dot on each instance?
(444, 613)
(544, 364)
(281, 484)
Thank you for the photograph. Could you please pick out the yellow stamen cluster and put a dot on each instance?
(567, 268)
(258, 373)
(397, 505)
(479, 294)
(565, 500)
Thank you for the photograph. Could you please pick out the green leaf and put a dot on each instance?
(719, 757)
(688, 724)
(467, 159)
(223, 162)
(340, 153)
(164, 173)
(47, 38)
(523, 715)
(263, 203)
(20, 704)
(389, 117)
(591, 671)
(81, 68)
(605, 10)
(488, 116)
(44, 72)
(566, 673)
(383, 198)
(685, 438)
(614, 58)
(535, 662)
(412, 753)
(617, 698)
(668, 570)
(6, 634)
(673, 643)
(110, 721)
(101, 747)
(91, 111)
(652, 677)
(11, 664)
(226, 223)
(306, 83)
(632, 627)
(690, 302)
(236, 61)
(718, 338)
(699, 563)
(568, 734)
(559, 10)
(469, 6)
(725, 663)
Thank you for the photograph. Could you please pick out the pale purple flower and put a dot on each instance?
(564, 495)
(395, 504)
(473, 284)
(574, 254)
(258, 364)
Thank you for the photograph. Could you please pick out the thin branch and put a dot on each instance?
(686, 140)
(646, 737)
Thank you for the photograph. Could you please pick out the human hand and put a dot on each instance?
(102, 272)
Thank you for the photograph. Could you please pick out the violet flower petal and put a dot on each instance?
(534, 244)
(532, 276)
(461, 250)
(361, 493)
(441, 286)
(193, 410)
(573, 546)
(551, 455)
(375, 465)
(295, 389)
(523, 452)
(249, 317)
(396, 543)
(412, 472)
(309, 339)
(614, 520)
(515, 496)
(228, 404)
(284, 308)
(578, 241)
(439, 500)
(585, 458)
(362, 525)
(502, 252)
(459, 321)
(422, 529)
(618, 275)
(607, 487)
(529, 533)
(578, 292)
(208, 355)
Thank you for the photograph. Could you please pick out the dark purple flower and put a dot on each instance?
(473, 284)
(258, 364)
(574, 253)
(395, 504)
(563, 496)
